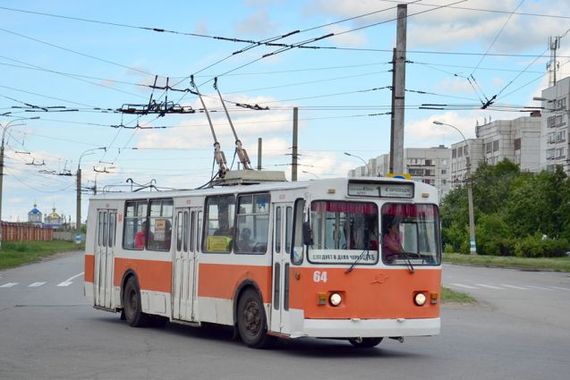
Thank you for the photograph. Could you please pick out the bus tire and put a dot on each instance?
(365, 342)
(132, 306)
(251, 320)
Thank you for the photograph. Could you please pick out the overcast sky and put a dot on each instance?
(83, 60)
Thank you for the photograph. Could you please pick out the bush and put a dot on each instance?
(493, 236)
(536, 246)
(555, 248)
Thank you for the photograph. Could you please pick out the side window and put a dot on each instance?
(219, 226)
(252, 223)
(288, 228)
(134, 231)
(179, 230)
(112, 228)
(100, 229)
(160, 227)
(297, 237)
(277, 229)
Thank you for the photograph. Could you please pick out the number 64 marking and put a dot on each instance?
(319, 276)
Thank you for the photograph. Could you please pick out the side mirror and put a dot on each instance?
(307, 234)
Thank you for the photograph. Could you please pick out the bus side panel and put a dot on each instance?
(367, 293)
(88, 275)
(217, 286)
(155, 281)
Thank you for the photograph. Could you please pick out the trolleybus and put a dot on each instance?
(279, 259)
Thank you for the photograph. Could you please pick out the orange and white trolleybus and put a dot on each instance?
(349, 258)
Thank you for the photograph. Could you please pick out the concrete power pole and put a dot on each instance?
(78, 202)
(259, 151)
(399, 86)
(294, 162)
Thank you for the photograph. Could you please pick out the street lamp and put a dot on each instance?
(78, 200)
(472, 243)
(4, 129)
(361, 159)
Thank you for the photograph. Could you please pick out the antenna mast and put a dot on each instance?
(218, 153)
(240, 151)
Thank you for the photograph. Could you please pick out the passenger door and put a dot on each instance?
(185, 254)
(282, 232)
(104, 257)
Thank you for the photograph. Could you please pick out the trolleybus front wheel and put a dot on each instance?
(251, 320)
(132, 307)
(365, 342)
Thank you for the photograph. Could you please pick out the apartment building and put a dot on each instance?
(517, 140)
(555, 141)
(428, 165)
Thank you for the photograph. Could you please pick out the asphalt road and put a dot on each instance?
(519, 330)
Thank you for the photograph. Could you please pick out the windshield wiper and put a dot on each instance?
(408, 261)
(366, 250)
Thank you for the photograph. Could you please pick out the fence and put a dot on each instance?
(25, 231)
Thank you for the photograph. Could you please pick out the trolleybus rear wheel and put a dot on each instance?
(365, 342)
(132, 304)
(251, 320)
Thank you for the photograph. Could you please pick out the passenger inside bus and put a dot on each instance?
(245, 243)
(140, 237)
(392, 242)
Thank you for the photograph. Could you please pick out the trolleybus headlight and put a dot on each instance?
(335, 299)
(420, 299)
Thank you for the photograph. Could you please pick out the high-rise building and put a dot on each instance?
(554, 132)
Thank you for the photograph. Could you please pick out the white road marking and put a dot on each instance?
(68, 281)
(36, 284)
(514, 287)
(489, 286)
(559, 288)
(538, 287)
(464, 286)
(9, 285)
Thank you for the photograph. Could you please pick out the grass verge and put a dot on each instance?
(13, 254)
(555, 264)
(451, 296)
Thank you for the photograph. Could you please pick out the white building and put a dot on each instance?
(428, 165)
(517, 140)
(554, 132)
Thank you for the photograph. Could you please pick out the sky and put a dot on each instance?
(76, 64)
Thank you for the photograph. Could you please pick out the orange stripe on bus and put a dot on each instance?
(152, 274)
(89, 268)
(221, 281)
(366, 293)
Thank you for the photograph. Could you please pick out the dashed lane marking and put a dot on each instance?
(37, 284)
(490, 286)
(464, 286)
(9, 285)
(69, 280)
(514, 287)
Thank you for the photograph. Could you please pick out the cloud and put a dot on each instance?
(464, 23)
(257, 23)
(352, 39)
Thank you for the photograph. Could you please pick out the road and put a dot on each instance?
(518, 330)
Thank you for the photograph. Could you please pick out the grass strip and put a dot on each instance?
(13, 254)
(451, 296)
(555, 264)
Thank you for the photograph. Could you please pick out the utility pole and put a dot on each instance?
(294, 163)
(392, 114)
(259, 151)
(78, 186)
(399, 89)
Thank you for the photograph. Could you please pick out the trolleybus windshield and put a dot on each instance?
(344, 232)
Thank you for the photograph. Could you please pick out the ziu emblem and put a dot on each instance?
(379, 279)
